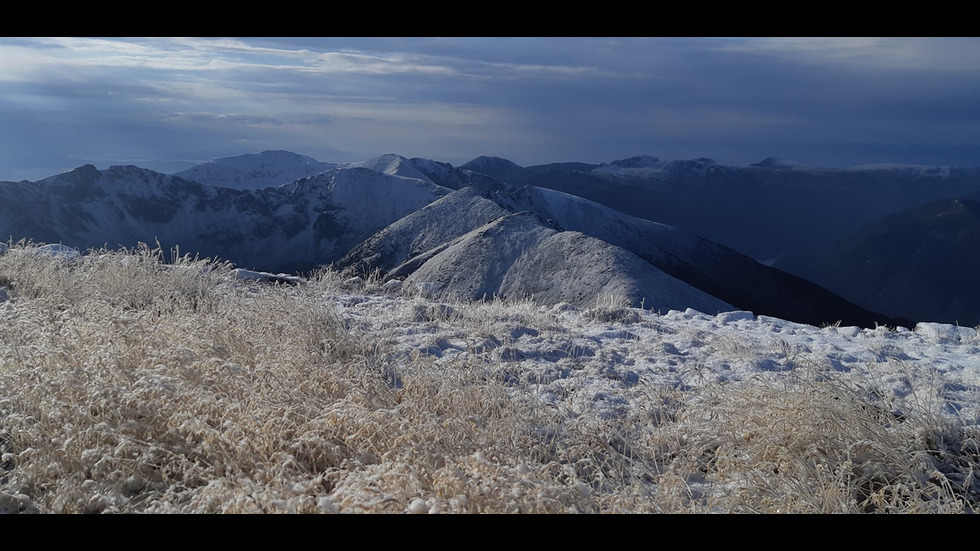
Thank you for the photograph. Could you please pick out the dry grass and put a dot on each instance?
(131, 384)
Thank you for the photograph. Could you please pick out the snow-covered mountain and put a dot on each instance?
(765, 210)
(393, 249)
(519, 255)
(468, 216)
(441, 173)
(416, 218)
(297, 226)
(256, 170)
(709, 266)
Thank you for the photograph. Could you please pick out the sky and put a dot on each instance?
(168, 103)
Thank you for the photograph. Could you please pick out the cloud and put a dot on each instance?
(944, 54)
(534, 99)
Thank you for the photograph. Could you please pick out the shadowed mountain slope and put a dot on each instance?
(800, 206)
(923, 263)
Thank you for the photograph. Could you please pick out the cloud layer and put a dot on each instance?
(829, 102)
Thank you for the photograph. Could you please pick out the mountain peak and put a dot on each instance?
(640, 161)
(88, 171)
(486, 161)
(391, 164)
(776, 162)
(496, 167)
(85, 174)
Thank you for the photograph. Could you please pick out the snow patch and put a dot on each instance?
(56, 250)
(265, 277)
(945, 333)
(731, 317)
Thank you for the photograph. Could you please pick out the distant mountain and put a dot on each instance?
(392, 164)
(772, 208)
(256, 170)
(786, 164)
(501, 169)
(922, 263)
(440, 173)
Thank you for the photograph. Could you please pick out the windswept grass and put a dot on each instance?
(135, 382)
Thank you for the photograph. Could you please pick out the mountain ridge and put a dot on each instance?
(330, 215)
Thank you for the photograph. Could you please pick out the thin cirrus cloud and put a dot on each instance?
(831, 102)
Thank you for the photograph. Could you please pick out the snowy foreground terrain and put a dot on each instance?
(127, 385)
(602, 362)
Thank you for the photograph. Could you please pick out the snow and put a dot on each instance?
(600, 365)
(428, 228)
(600, 359)
(385, 197)
(393, 165)
(57, 250)
(518, 255)
(270, 229)
(668, 349)
(776, 162)
(603, 361)
(265, 277)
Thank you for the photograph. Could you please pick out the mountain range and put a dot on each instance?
(294, 226)
(772, 208)
(896, 239)
(567, 232)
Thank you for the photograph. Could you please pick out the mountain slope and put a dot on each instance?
(440, 173)
(923, 263)
(298, 226)
(421, 231)
(518, 255)
(411, 243)
(713, 268)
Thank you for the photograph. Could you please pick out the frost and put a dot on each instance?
(130, 388)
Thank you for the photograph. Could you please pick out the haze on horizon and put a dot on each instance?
(166, 103)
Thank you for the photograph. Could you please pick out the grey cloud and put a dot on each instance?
(534, 100)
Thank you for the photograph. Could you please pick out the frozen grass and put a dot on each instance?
(131, 382)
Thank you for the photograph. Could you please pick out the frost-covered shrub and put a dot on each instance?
(612, 309)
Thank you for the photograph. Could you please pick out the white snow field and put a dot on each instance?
(129, 384)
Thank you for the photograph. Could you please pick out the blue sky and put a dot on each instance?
(166, 102)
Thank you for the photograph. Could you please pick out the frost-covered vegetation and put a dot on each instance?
(140, 381)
